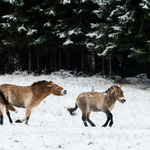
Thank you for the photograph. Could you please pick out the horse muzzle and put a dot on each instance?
(64, 92)
(122, 101)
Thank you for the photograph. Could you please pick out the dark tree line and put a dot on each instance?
(89, 36)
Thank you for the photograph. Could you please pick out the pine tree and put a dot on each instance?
(104, 35)
(76, 19)
(136, 24)
(31, 26)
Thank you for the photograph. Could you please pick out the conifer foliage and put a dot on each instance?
(92, 36)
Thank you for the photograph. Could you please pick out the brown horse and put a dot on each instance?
(29, 97)
(98, 101)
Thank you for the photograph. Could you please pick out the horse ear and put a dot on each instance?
(120, 86)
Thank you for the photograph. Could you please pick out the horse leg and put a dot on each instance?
(28, 112)
(109, 118)
(88, 119)
(8, 114)
(84, 119)
(1, 118)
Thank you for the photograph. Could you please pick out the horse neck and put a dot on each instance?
(110, 97)
(40, 92)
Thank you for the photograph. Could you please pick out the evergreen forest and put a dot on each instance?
(108, 37)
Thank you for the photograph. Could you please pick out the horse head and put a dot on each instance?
(119, 93)
(56, 89)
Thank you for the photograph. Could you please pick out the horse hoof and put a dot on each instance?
(104, 125)
(93, 125)
(26, 123)
(18, 121)
(110, 125)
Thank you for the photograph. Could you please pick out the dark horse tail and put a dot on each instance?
(71, 110)
(6, 102)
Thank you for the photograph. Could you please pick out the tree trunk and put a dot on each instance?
(59, 61)
(103, 66)
(110, 67)
(55, 60)
(9, 61)
(38, 63)
(93, 63)
(30, 61)
(82, 61)
(20, 64)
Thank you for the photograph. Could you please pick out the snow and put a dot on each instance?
(139, 80)
(51, 127)
(101, 2)
(94, 25)
(145, 4)
(47, 24)
(31, 31)
(37, 41)
(145, 7)
(106, 50)
(5, 25)
(21, 28)
(61, 35)
(116, 28)
(10, 1)
(75, 31)
(66, 1)
(89, 45)
(97, 35)
(5, 42)
(67, 42)
(50, 12)
(10, 17)
(112, 35)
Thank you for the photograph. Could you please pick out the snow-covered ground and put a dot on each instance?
(51, 127)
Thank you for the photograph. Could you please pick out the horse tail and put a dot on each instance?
(71, 110)
(6, 102)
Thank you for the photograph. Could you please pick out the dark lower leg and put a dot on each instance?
(105, 124)
(111, 121)
(109, 118)
(91, 123)
(26, 122)
(26, 119)
(8, 114)
(1, 119)
(84, 120)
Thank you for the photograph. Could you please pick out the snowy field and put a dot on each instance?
(52, 128)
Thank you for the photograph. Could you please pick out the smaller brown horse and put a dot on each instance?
(98, 101)
(29, 97)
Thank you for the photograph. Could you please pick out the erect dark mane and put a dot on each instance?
(39, 82)
(109, 89)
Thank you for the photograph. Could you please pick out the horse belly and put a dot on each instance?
(96, 107)
(93, 108)
(17, 100)
(18, 103)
